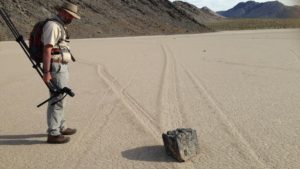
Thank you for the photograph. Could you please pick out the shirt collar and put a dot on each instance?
(59, 20)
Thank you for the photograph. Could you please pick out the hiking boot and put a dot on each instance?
(68, 131)
(60, 139)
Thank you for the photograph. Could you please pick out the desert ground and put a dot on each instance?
(239, 89)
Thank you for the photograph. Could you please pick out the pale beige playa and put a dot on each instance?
(239, 90)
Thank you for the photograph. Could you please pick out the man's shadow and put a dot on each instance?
(21, 139)
(148, 153)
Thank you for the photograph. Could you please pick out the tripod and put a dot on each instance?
(54, 89)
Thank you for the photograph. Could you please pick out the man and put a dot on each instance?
(56, 56)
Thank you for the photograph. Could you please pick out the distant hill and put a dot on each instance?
(200, 15)
(271, 9)
(105, 18)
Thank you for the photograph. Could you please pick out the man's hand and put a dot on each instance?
(47, 77)
(47, 63)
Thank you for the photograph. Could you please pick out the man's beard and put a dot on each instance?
(67, 21)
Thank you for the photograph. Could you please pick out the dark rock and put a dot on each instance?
(181, 144)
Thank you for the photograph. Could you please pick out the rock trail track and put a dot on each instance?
(126, 98)
(171, 116)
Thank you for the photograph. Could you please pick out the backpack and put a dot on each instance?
(36, 45)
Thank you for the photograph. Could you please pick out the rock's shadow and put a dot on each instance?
(148, 153)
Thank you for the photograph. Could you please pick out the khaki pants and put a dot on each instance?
(55, 113)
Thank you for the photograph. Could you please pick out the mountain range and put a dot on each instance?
(105, 18)
(271, 9)
(201, 15)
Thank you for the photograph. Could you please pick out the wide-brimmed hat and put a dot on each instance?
(72, 9)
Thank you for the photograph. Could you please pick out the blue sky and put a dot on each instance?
(219, 5)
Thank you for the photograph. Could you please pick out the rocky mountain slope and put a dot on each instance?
(201, 15)
(252, 9)
(103, 18)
